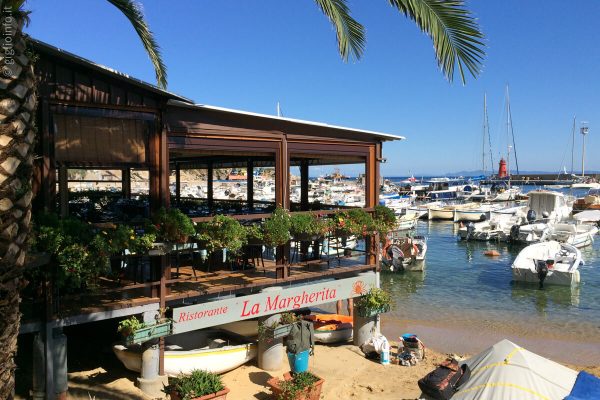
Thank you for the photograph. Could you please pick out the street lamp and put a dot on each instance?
(584, 131)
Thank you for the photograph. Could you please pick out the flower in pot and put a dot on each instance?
(276, 229)
(375, 301)
(361, 222)
(301, 386)
(173, 226)
(198, 385)
(385, 220)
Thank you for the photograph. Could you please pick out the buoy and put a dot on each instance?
(491, 253)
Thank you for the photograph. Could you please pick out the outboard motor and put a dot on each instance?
(542, 271)
(531, 216)
(470, 230)
(514, 232)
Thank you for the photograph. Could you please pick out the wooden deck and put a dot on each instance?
(111, 295)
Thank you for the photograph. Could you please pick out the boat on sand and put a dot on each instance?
(212, 350)
(331, 328)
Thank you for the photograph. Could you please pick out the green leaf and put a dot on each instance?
(133, 12)
(456, 36)
(350, 33)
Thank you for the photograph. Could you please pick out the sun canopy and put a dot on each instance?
(508, 371)
(588, 216)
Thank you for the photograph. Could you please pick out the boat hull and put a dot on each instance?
(556, 278)
(180, 361)
(433, 214)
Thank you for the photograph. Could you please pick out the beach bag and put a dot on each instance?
(445, 380)
(411, 343)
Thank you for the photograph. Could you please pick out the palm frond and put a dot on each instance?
(350, 33)
(456, 36)
(133, 12)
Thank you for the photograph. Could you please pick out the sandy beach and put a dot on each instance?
(347, 373)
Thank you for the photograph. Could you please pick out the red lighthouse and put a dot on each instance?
(502, 169)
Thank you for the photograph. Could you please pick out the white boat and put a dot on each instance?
(407, 221)
(447, 212)
(406, 253)
(497, 227)
(530, 233)
(578, 235)
(548, 263)
(509, 194)
(587, 185)
(211, 350)
(481, 213)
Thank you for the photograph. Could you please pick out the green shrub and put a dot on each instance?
(197, 383)
(130, 325)
(173, 226)
(276, 229)
(299, 382)
(375, 301)
(222, 232)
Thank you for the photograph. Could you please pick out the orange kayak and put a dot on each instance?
(331, 328)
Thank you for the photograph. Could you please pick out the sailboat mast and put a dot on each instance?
(509, 117)
(572, 144)
(484, 132)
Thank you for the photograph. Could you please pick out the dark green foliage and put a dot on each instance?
(375, 301)
(196, 384)
(173, 226)
(276, 229)
(222, 232)
(292, 388)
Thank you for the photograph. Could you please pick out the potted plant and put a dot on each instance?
(307, 227)
(222, 232)
(254, 234)
(198, 385)
(385, 220)
(361, 222)
(301, 386)
(173, 226)
(136, 331)
(375, 301)
(276, 229)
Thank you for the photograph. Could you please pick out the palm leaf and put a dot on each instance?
(350, 33)
(133, 12)
(456, 36)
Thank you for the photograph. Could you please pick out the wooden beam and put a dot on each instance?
(154, 168)
(304, 185)
(250, 184)
(177, 183)
(126, 182)
(209, 186)
(164, 172)
(48, 171)
(63, 190)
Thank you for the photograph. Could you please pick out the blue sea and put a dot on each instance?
(465, 301)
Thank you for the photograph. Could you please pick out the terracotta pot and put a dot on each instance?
(310, 393)
(220, 395)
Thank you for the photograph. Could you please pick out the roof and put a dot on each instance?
(57, 52)
(379, 135)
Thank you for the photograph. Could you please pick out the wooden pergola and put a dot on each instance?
(92, 117)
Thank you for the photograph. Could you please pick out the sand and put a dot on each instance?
(347, 373)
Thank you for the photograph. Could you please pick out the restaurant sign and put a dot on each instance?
(270, 301)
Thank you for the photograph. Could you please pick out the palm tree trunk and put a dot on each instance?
(17, 135)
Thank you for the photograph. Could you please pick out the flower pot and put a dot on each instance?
(220, 395)
(299, 362)
(150, 332)
(305, 237)
(310, 393)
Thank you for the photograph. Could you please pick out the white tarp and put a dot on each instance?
(588, 216)
(507, 371)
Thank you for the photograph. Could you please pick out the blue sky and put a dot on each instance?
(250, 54)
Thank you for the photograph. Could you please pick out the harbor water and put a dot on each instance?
(465, 301)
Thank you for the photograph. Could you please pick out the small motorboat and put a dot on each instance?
(551, 262)
(331, 328)
(407, 220)
(578, 235)
(405, 253)
(212, 350)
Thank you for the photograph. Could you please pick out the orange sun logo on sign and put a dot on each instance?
(358, 288)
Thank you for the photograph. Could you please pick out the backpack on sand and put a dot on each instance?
(445, 380)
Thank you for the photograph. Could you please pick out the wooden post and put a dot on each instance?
(371, 199)
(282, 198)
(177, 183)
(209, 186)
(126, 182)
(165, 274)
(164, 171)
(250, 184)
(63, 189)
(48, 172)
(154, 169)
(304, 185)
